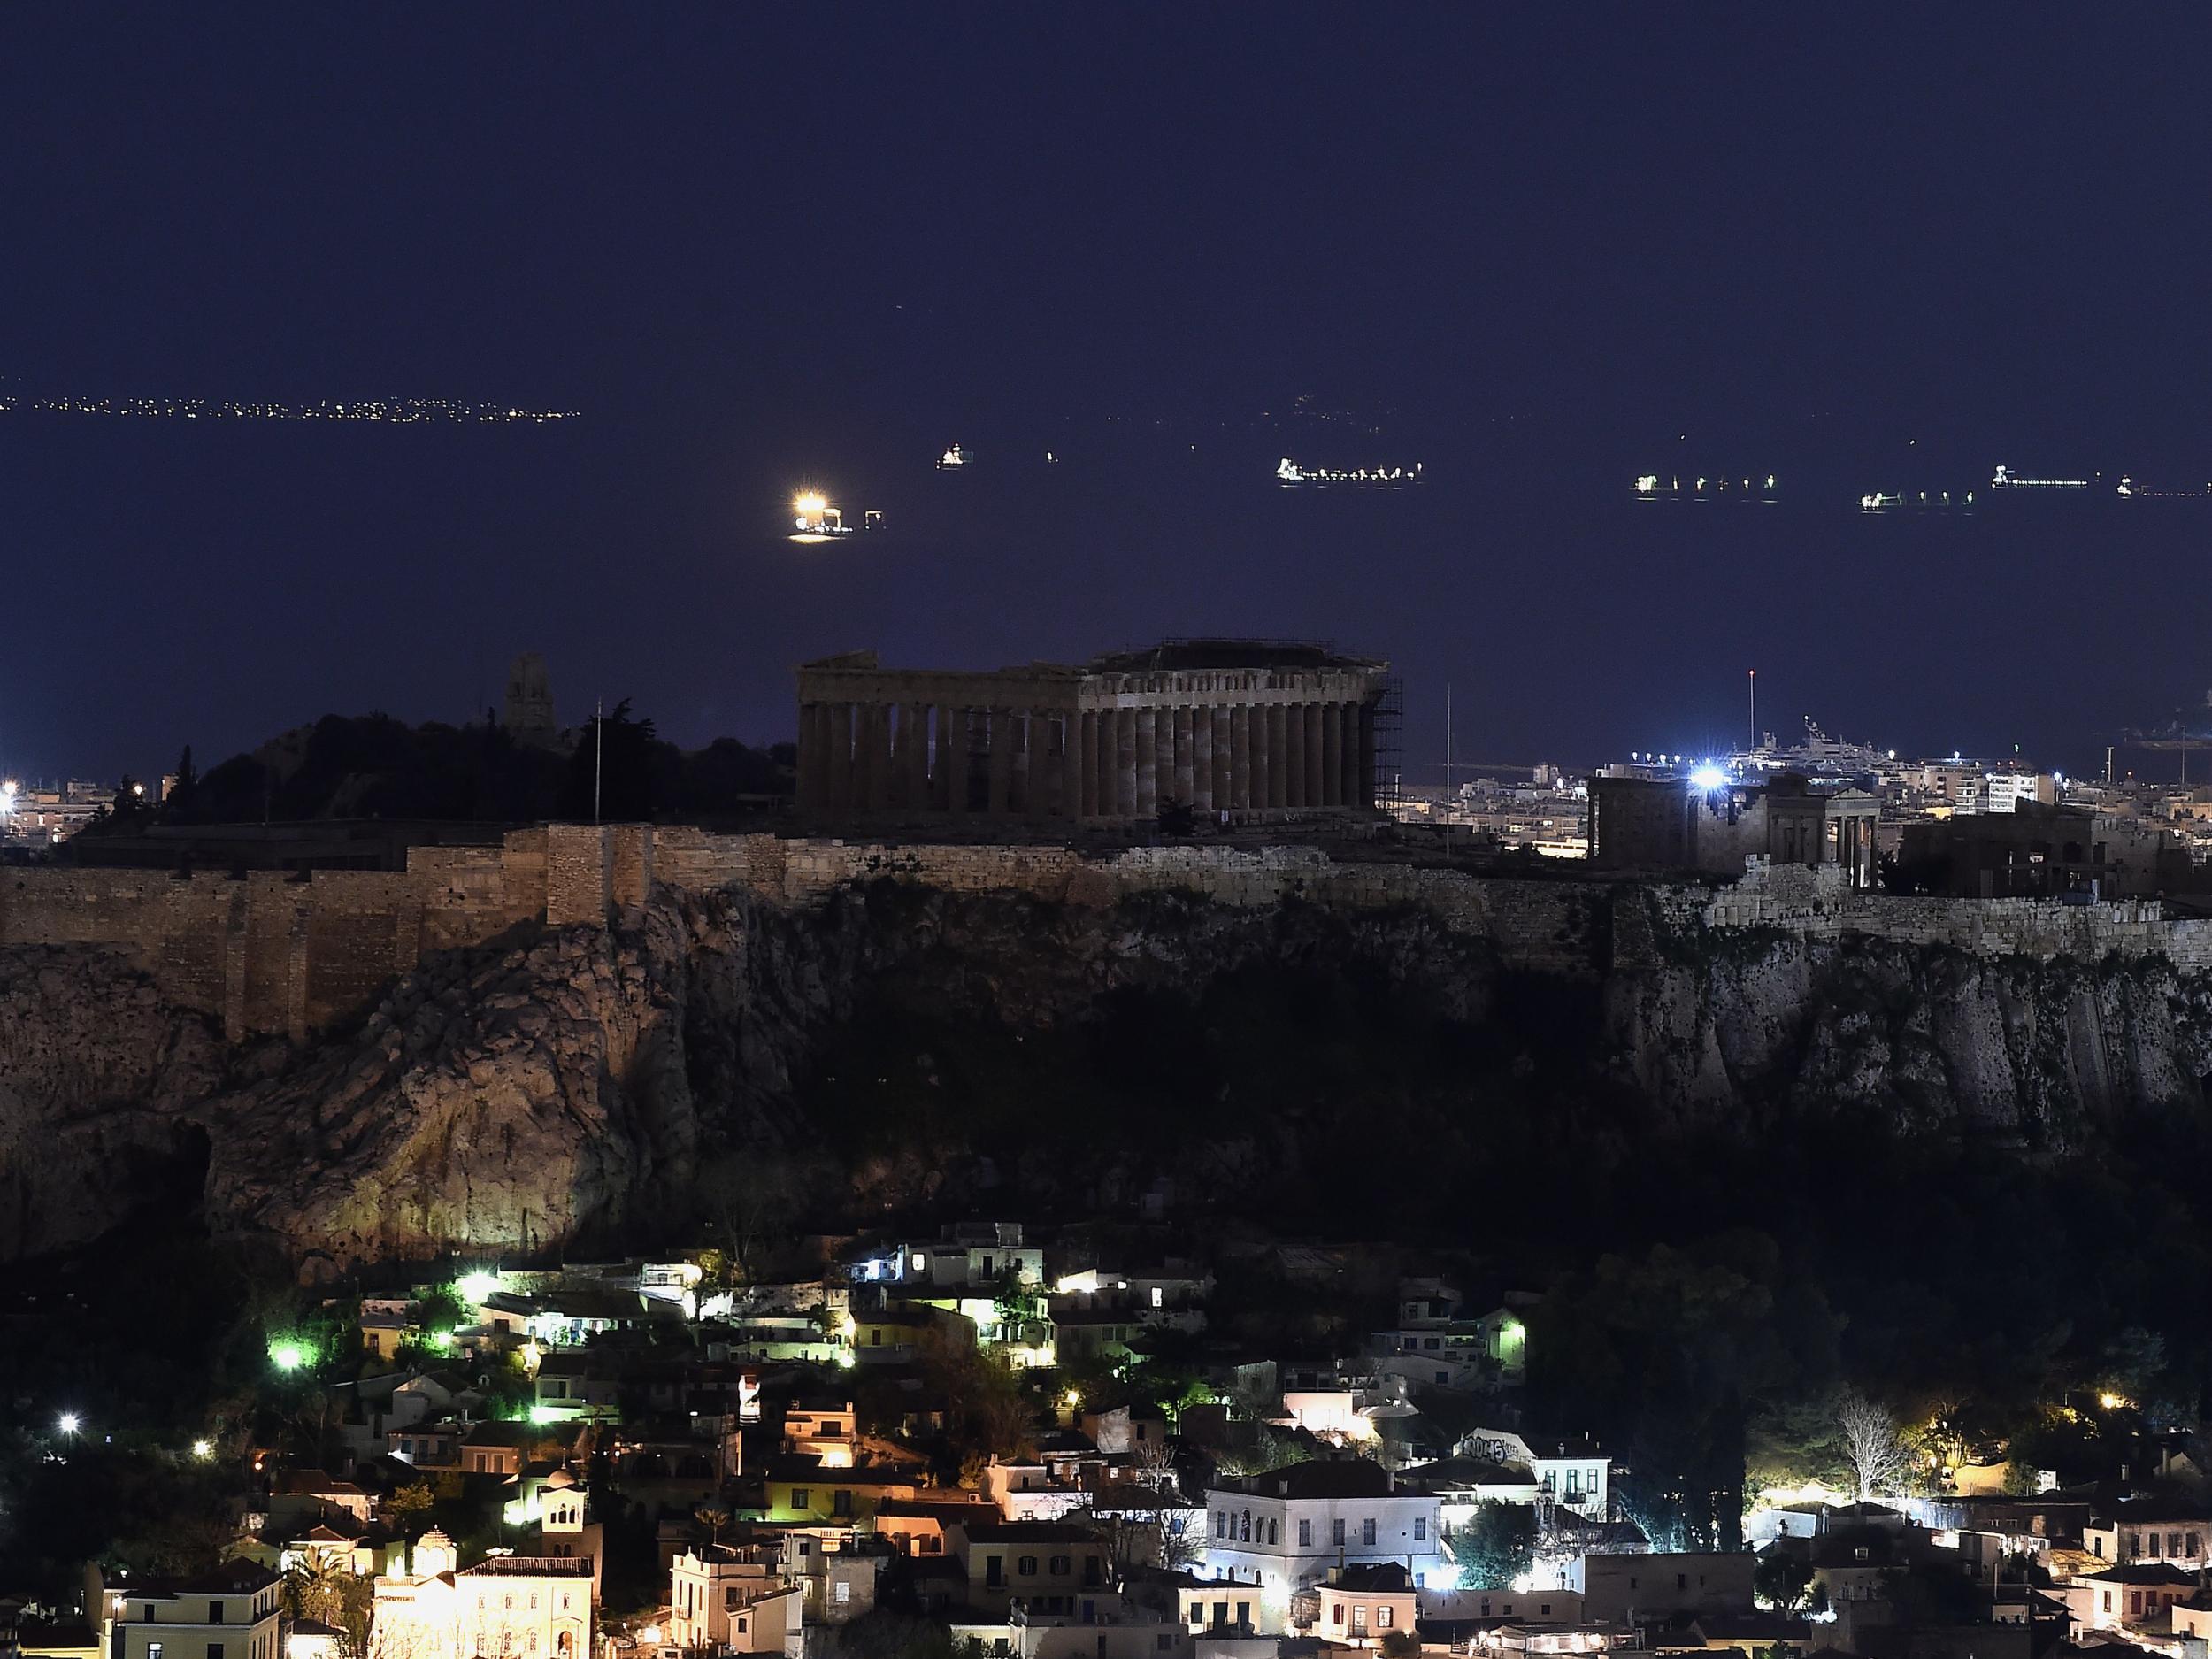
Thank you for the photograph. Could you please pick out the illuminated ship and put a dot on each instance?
(1941, 501)
(953, 456)
(2128, 489)
(1650, 487)
(814, 519)
(2005, 477)
(1288, 472)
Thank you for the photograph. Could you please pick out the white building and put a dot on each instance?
(722, 1598)
(1286, 1529)
(509, 1607)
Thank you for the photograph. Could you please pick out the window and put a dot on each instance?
(1058, 1567)
(1090, 1570)
(214, 1612)
(1305, 1534)
(1274, 1531)
(1221, 1518)
(1336, 1531)
(2192, 1544)
(799, 1498)
(729, 1598)
(1420, 1529)
(1359, 1621)
(993, 1569)
(1161, 1642)
(1159, 1297)
(1026, 1567)
(215, 1650)
(1244, 1527)
(1244, 1612)
(843, 1592)
(1682, 1579)
(842, 1502)
(153, 1650)
(740, 1627)
(1367, 1530)
(1382, 1618)
(1221, 1614)
(1338, 1610)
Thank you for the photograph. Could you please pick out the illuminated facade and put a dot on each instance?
(1247, 728)
(1697, 824)
(509, 1607)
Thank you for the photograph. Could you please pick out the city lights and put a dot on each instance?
(398, 411)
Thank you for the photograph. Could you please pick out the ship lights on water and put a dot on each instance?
(1288, 472)
(814, 519)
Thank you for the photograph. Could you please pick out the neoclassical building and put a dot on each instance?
(507, 1607)
(1241, 726)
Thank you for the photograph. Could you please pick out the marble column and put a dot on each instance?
(1163, 761)
(1185, 755)
(1274, 751)
(1240, 757)
(914, 752)
(1002, 761)
(1201, 760)
(1148, 743)
(1317, 760)
(947, 777)
(1224, 747)
(1083, 731)
(1127, 770)
(809, 755)
(1366, 796)
(1301, 781)
(878, 756)
(1332, 753)
(840, 756)
(1076, 758)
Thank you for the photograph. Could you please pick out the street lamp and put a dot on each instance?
(71, 1423)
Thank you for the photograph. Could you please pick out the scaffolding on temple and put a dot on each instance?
(1390, 715)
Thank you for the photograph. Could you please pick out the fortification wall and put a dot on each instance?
(274, 953)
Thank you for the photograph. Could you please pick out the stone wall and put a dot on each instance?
(272, 953)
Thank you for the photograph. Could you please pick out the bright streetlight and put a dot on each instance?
(71, 1423)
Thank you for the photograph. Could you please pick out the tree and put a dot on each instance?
(407, 1509)
(714, 1517)
(1873, 1451)
(1783, 1581)
(610, 774)
(1497, 1545)
(1401, 1644)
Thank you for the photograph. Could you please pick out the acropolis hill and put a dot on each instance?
(505, 1048)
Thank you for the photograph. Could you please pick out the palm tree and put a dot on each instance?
(714, 1519)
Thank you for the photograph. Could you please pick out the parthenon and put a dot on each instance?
(1217, 726)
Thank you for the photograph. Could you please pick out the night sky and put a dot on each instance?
(762, 247)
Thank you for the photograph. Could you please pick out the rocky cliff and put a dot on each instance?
(899, 1045)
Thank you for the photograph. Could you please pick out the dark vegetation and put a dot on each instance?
(373, 766)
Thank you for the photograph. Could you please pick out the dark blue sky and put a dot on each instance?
(761, 246)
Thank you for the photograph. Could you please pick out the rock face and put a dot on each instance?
(920, 1045)
(99, 1081)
